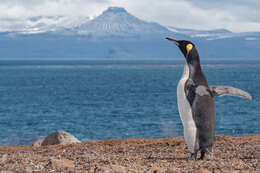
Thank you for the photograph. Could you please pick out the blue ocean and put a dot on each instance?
(96, 100)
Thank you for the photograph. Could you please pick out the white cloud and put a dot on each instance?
(236, 16)
(27, 8)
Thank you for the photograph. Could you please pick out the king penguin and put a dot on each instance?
(196, 102)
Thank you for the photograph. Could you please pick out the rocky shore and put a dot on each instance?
(232, 154)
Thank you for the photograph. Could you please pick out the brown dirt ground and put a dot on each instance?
(231, 154)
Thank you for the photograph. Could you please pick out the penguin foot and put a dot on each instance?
(202, 155)
(193, 156)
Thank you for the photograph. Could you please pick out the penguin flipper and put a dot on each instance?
(229, 91)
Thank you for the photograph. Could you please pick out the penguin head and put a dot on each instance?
(185, 46)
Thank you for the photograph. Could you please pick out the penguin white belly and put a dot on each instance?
(185, 111)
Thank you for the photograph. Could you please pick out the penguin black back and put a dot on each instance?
(196, 73)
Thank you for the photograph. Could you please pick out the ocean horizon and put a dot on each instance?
(107, 99)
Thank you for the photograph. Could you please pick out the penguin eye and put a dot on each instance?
(189, 47)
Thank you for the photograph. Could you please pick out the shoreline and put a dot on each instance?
(98, 140)
(231, 154)
(122, 139)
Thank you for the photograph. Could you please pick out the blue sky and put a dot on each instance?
(237, 16)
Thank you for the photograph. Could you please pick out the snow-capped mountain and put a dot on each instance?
(117, 21)
(114, 21)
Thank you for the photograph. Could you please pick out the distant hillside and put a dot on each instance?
(118, 34)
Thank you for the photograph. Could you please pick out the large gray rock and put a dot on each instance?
(58, 137)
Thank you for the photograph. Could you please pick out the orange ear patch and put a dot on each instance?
(189, 47)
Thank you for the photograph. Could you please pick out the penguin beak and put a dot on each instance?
(174, 41)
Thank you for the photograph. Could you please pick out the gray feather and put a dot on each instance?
(202, 90)
(229, 91)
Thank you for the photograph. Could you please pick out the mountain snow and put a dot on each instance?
(40, 24)
(207, 34)
(117, 21)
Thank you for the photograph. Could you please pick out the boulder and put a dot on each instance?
(58, 137)
(38, 143)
